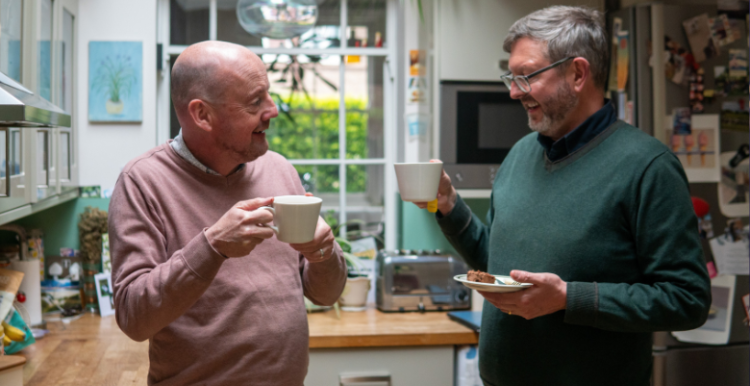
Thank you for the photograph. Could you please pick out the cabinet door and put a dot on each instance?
(12, 173)
(65, 86)
(45, 178)
(470, 34)
(406, 366)
(65, 165)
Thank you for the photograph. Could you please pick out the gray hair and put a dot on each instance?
(568, 31)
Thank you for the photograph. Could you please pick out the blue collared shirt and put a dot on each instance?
(581, 135)
(179, 146)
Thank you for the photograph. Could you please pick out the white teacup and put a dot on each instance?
(418, 181)
(296, 218)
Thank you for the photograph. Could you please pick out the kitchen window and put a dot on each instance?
(330, 82)
(10, 38)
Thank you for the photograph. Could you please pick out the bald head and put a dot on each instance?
(206, 70)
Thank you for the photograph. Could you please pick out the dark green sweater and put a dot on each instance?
(614, 219)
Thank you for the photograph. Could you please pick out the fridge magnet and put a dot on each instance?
(738, 63)
(115, 81)
(417, 124)
(733, 187)
(698, 32)
(681, 120)
(104, 293)
(721, 31)
(703, 212)
(734, 116)
(721, 85)
(696, 146)
(696, 92)
(731, 251)
(416, 63)
(717, 326)
(416, 90)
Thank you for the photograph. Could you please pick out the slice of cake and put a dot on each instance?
(479, 276)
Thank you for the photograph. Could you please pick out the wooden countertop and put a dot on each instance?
(93, 351)
(372, 328)
(11, 361)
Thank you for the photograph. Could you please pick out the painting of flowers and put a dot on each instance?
(115, 81)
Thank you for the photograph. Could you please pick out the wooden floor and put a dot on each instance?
(88, 351)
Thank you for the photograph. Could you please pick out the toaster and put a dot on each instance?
(419, 280)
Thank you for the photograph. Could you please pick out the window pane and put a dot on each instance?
(66, 91)
(15, 152)
(65, 156)
(324, 34)
(366, 19)
(364, 199)
(322, 181)
(10, 38)
(188, 21)
(174, 124)
(45, 54)
(364, 107)
(305, 89)
(3, 162)
(42, 146)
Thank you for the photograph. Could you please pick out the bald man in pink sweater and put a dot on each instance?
(219, 299)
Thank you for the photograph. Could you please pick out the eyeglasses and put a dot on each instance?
(522, 81)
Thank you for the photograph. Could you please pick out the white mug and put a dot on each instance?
(418, 181)
(296, 218)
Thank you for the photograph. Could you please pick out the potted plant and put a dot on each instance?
(114, 78)
(354, 296)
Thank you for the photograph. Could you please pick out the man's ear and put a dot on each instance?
(202, 114)
(581, 73)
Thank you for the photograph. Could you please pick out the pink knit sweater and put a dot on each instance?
(211, 320)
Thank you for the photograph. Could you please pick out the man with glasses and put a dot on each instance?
(593, 212)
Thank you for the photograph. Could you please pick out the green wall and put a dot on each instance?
(419, 230)
(59, 223)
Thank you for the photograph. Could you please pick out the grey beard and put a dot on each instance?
(556, 110)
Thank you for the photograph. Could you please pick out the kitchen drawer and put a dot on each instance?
(406, 366)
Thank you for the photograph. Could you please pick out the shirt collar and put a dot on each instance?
(581, 135)
(179, 146)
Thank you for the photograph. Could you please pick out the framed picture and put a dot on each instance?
(717, 326)
(115, 81)
(104, 293)
(696, 145)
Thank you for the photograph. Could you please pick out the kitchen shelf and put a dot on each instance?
(29, 209)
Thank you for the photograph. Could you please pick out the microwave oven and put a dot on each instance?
(479, 123)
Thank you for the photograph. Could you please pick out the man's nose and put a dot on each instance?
(515, 91)
(272, 112)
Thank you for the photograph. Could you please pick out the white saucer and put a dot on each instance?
(487, 287)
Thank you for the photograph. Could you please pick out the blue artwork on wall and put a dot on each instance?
(115, 81)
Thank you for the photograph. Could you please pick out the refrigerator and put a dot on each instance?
(652, 97)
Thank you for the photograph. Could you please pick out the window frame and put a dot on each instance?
(390, 100)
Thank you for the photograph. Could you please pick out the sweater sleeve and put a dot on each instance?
(322, 282)
(673, 292)
(152, 289)
(467, 233)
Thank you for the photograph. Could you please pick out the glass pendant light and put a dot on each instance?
(277, 19)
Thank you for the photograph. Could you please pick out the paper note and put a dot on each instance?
(731, 257)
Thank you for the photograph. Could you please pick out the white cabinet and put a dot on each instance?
(470, 34)
(406, 366)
